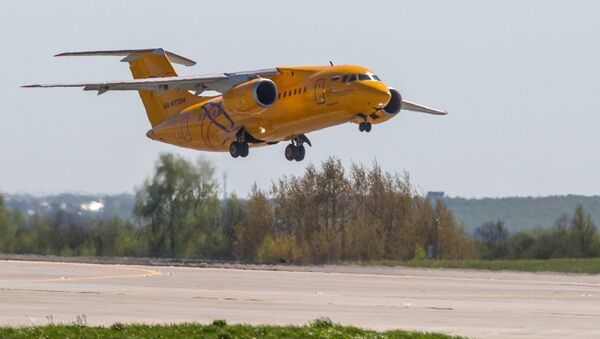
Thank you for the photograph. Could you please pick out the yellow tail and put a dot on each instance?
(159, 105)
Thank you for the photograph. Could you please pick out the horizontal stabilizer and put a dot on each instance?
(410, 106)
(132, 54)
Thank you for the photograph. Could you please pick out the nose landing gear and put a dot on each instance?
(295, 150)
(365, 126)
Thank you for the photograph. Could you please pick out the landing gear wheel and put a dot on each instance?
(235, 149)
(291, 152)
(368, 127)
(300, 152)
(361, 127)
(245, 150)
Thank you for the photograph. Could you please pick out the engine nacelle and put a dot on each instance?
(252, 96)
(395, 104)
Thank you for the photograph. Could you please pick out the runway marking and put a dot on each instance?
(143, 272)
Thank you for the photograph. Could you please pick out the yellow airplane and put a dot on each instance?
(256, 108)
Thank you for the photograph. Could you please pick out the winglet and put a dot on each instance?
(132, 54)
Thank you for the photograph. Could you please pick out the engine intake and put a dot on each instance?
(395, 104)
(253, 96)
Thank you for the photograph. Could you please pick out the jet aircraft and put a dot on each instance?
(255, 108)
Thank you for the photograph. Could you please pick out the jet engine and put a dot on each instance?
(250, 97)
(395, 104)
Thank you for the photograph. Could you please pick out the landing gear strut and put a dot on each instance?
(295, 150)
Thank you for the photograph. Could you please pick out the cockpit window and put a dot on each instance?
(345, 78)
(335, 78)
(364, 77)
(352, 78)
(376, 77)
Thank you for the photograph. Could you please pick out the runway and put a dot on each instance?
(470, 303)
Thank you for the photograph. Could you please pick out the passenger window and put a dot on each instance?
(284, 93)
(362, 77)
(304, 89)
(294, 91)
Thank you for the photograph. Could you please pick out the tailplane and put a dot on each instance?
(153, 63)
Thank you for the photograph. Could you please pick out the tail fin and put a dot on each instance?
(153, 63)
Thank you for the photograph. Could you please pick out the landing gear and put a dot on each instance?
(245, 150)
(239, 149)
(365, 126)
(300, 152)
(290, 152)
(296, 150)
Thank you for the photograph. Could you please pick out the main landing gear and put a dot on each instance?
(239, 148)
(295, 150)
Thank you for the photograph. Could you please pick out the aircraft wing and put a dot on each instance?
(410, 106)
(215, 82)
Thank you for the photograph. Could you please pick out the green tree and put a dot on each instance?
(584, 234)
(493, 238)
(252, 230)
(5, 229)
(179, 201)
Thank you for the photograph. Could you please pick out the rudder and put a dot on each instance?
(158, 105)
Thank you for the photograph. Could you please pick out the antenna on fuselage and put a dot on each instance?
(331, 63)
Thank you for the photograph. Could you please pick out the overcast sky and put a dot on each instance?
(521, 80)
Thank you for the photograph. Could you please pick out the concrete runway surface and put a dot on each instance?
(470, 303)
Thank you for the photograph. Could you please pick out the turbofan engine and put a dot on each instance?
(395, 104)
(252, 96)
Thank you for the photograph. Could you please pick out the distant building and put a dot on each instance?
(435, 195)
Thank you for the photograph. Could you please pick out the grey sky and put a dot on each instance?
(521, 80)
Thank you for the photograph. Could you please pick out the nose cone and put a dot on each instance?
(376, 93)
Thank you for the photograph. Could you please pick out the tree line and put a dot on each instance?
(575, 237)
(326, 215)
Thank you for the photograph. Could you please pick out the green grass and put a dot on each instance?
(320, 328)
(588, 266)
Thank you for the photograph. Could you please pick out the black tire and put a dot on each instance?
(361, 127)
(235, 149)
(300, 152)
(290, 152)
(368, 127)
(245, 150)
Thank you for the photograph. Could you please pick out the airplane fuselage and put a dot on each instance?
(308, 99)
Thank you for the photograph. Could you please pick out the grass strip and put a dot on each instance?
(319, 328)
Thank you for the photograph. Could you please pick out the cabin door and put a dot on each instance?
(320, 91)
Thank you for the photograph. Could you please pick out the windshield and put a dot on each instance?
(364, 77)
